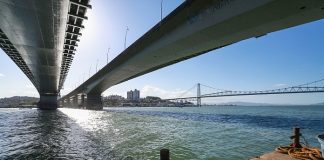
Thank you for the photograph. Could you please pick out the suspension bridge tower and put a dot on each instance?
(198, 95)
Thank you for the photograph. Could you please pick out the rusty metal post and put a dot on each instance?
(296, 137)
(164, 154)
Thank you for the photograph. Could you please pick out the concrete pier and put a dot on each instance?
(83, 101)
(75, 101)
(68, 102)
(48, 102)
(63, 102)
(94, 102)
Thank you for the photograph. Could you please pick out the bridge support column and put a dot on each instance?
(48, 102)
(94, 102)
(75, 101)
(69, 103)
(64, 103)
(82, 100)
(198, 95)
(60, 103)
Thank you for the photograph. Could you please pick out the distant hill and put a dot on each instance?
(321, 104)
(18, 101)
(262, 104)
(250, 104)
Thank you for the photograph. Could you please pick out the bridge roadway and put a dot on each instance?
(288, 90)
(40, 36)
(194, 28)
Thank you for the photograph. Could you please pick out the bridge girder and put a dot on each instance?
(197, 27)
(32, 34)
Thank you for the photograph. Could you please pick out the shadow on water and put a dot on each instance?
(45, 134)
(51, 130)
(251, 120)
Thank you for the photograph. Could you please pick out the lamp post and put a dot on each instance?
(107, 55)
(97, 65)
(90, 70)
(127, 29)
(161, 9)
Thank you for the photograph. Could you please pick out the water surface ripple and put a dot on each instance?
(222, 132)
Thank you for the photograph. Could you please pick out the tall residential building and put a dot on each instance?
(133, 95)
(130, 95)
(136, 95)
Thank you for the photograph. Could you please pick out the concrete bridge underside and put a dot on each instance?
(40, 37)
(194, 28)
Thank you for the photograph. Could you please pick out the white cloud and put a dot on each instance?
(2, 75)
(155, 91)
(281, 85)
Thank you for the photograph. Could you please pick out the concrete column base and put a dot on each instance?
(83, 101)
(75, 102)
(63, 103)
(48, 102)
(94, 102)
(67, 103)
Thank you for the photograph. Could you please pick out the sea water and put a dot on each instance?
(213, 132)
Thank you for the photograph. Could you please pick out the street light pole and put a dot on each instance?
(97, 65)
(107, 55)
(90, 70)
(127, 29)
(161, 9)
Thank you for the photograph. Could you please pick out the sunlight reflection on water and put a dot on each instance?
(91, 121)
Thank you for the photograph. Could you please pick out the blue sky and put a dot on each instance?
(284, 58)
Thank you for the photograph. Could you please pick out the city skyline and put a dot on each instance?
(284, 58)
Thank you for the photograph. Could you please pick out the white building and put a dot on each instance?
(130, 95)
(136, 95)
(133, 95)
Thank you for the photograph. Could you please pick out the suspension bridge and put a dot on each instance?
(310, 87)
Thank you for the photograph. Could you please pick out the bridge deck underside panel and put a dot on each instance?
(36, 29)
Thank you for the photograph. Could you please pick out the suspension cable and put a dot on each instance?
(224, 90)
(213, 87)
(188, 91)
(306, 84)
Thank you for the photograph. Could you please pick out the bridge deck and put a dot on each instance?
(197, 27)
